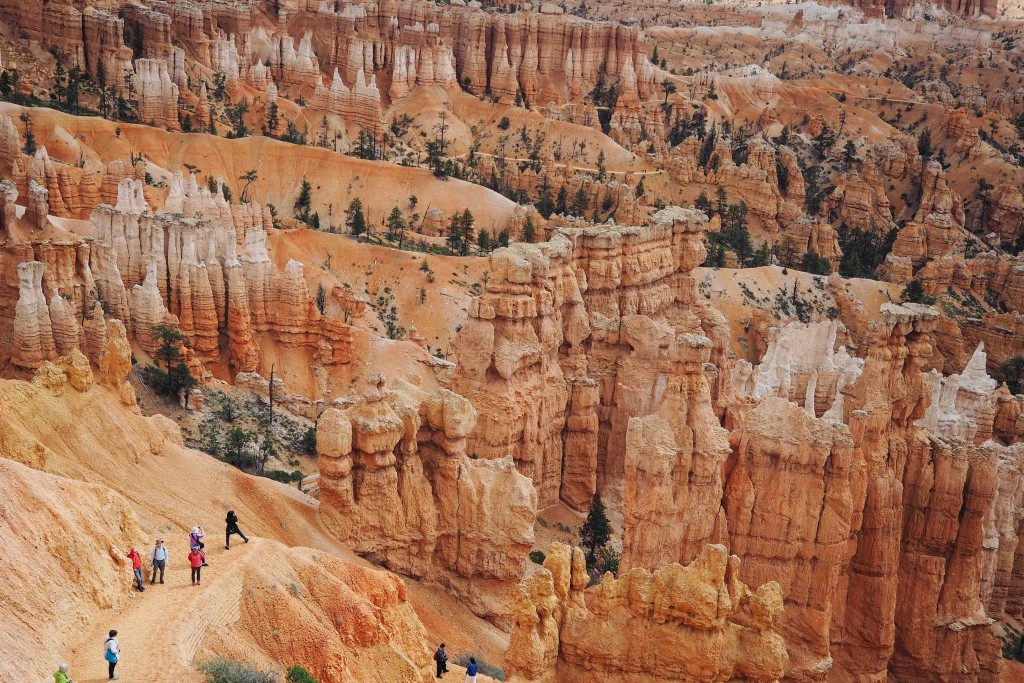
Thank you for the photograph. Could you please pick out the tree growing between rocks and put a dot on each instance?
(177, 376)
(595, 532)
(1012, 372)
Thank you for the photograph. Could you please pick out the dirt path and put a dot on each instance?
(164, 627)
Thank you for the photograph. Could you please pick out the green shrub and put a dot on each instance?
(283, 476)
(537, 556)
(222, 670)
(609, 561)
(298, 674)
(914, 293)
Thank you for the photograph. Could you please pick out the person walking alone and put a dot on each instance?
(197, 559)
(441, 657)
(232, 528)
(159, 560)
(136, 559)
(195, 538)
(111, 653)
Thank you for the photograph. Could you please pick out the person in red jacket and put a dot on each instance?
(196, 558)
(136, 559)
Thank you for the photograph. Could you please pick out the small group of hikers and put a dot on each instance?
(441, 660)
(196, 555)
(158, 561)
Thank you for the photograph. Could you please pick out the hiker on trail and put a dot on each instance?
(232, 528)
(136, 559)
(61, 675)
(195, 539)
(471, 671)
(441, 657)
(159, 560)
(111, 653)
(197, 559)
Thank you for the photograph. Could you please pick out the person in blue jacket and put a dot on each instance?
(471, 671)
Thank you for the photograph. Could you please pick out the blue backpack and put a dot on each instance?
(109, 654)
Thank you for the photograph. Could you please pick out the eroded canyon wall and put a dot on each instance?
(680, 623)
(575, 336)
(397, 484)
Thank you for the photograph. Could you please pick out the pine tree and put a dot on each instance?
(467, 230)
(273, 120)
(596, 531)
(304, 203)
(454, 238)
(849, 152)
(707, 147)
(396, 225)
(29, 147)
(355, 220)
(703, 203)
(1012, 372)
(562, 201)
(529, 231)
(825, 140)
(321, 298)
(813, 262)
(721, 202)
(579, 202)
(924, 144)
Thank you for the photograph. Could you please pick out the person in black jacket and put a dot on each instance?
(441, 657)
(232, 522)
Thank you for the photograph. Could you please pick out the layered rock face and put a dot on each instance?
(692, 623)
(397, 484)
(896, 8)
(600, 305)
(33, 340)
(784, 460)
(859, 200)
(802, 365)
(769, 182)
(152, 268)
(879, 517)
(187, 267)
(95, 520)
(373, 52)
(997, 279)
(157, 93)
(360, 103)
(49, 188)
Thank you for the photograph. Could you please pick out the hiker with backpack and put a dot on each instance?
(159, 560)
(111, 653)
(195, 539)
(232, 528)
(441, 657)
(136, 559)
(197, 560)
